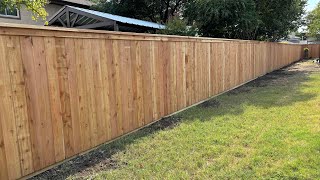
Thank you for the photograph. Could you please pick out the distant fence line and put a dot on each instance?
(65, 91)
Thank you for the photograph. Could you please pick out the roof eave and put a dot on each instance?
(63, 3)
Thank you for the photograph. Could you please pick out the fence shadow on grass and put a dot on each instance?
(279, 88)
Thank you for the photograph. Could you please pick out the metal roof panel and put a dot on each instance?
(121, 18)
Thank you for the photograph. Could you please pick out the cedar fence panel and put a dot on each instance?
(314, 50)
(66, 91)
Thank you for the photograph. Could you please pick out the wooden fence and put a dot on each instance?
(65, 91)
(314, 50)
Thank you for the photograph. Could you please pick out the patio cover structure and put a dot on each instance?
(74, 17)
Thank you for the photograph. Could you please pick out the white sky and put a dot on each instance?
(312, 4)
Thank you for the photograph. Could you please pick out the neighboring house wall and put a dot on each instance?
(26, 16)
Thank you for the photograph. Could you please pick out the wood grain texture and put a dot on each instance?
(54, 96)
(65, 92)
(44, 134)
(74, 145)
(13, 53)
(3, 158)
(9, 139)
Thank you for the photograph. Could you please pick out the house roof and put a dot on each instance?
(90, 19)
(85, 3)
(82, 2)
(122, 19)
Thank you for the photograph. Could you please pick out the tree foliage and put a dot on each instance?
(278, 18)
(242, 19)
(246, 19)
(313, 20)
(177, 26)
(151, 10)
(35, 6)
(225, 19)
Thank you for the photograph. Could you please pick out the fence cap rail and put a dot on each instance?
(49, 31)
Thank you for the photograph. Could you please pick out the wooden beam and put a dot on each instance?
(115, 26)
(63, 24)
(97, 25)
(75, 20)
(70, 9)
(80, 20)
(57, 16)
(68, 18)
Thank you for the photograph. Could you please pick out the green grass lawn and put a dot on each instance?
(267, 129)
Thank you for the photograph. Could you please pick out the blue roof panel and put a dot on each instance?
(121, 18)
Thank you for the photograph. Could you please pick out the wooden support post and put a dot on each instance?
(115, 26)
(63, 24)
(75, 20)
(68, 18)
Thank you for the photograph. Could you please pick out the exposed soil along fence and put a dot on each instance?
(63, 92)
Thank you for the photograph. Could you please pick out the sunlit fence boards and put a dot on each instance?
(65, 91)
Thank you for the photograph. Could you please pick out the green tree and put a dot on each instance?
(313, 21)
(246, 19)
(223, 19)
(278, 18)
(35, 6)
(177, 26)
(268, 20)
(152, 10)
